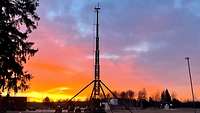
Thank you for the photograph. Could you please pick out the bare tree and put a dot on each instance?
(142, 94)
(130, 94)
(156, 96)
(173, 95)
(123, 95)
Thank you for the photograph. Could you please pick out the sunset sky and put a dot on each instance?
(143, 45)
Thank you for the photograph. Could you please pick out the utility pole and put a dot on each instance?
(191, 84)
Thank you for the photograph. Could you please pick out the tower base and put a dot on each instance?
(95, 104)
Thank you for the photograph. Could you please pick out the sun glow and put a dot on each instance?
(55, 94)
(34, 96)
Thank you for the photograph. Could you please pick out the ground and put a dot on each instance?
(123, 111)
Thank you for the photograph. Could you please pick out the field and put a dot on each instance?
(122, 111)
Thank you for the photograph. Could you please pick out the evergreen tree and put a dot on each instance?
(165, 96)
(18, 18)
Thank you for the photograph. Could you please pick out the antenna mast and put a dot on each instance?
(98, 84)
(97, 52)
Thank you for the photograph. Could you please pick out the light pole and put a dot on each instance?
(191, 84)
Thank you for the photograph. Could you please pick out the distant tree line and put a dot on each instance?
(131, 98)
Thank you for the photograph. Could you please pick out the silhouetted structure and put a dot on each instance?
(95, 101)
(13, 103)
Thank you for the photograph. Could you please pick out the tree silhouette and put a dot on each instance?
(165, 97)
(142, 94)
(156, 96)
(123, 95)
(173, 95)
(46, 101)
(130, 94)
(18, 18)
